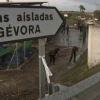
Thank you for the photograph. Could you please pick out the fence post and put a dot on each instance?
(84, 34)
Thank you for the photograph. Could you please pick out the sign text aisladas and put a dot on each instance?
(27, 17)
(26, 23)
(23, 29)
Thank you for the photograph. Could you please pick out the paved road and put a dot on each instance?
(74, 38)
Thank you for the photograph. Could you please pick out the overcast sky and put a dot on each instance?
(68, 5)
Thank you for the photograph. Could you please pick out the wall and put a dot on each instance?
(93, 46)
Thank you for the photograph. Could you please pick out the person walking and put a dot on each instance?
(74, 50)
(67, 37)
(81, 28)
(52, 55)
(67, 29)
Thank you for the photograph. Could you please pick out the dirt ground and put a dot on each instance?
(24, 84)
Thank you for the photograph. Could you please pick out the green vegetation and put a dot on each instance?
(74, 15)
(71, 21)
(79, 73)
(70, 13)
(97, 14)
(82, 8)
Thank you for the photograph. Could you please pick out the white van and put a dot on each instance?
(90, 22)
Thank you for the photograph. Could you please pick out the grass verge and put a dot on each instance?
(79, 72)
(71, 21)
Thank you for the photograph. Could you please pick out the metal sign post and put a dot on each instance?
(41, 69)
(24, 51)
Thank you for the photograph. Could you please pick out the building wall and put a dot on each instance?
(93, 46)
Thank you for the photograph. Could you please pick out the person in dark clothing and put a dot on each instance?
(67, 29)
(81, 27)
(63, 30)
(74, 50)
(52, 55)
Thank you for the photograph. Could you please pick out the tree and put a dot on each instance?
(97, 14)
(82, 8)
